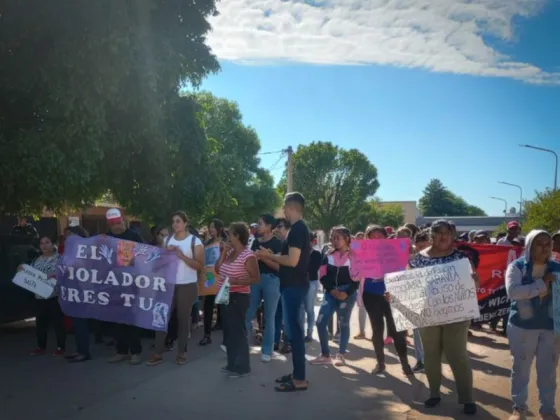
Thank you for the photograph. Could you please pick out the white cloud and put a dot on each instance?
(439, 35)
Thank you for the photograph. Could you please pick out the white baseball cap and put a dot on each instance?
(114, 216)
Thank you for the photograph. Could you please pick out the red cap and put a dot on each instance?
(114, 216)
(389, 230)
(512, 224)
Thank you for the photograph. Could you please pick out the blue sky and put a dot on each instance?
(444, 89)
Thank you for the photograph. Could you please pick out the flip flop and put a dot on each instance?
(289, 387)
(284, 379)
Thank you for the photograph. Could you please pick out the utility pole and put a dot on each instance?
(290, 153)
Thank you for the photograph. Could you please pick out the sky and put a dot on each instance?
(426, 89)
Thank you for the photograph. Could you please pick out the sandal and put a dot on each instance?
(154, 360)
(181, 360)
(205, 341)
(284, 379)
(289, 387)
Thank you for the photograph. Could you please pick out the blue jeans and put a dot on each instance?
(81, 335)
(525, 345)
(343, 311)
(293, 299)
(309, 307)
(269, 290)
(418, 348)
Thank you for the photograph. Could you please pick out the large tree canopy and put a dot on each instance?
(88, 101)
(237, 188)
(543, 212)
(374, 212)
(439, 201)
(334, 181)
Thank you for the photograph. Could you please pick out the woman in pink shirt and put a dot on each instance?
(239, 265)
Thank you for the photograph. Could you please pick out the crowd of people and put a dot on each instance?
(275, 272)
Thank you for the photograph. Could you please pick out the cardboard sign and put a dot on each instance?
(377, 257)
(436, 295)
(35, 281)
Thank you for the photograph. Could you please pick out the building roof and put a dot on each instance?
(468, 223)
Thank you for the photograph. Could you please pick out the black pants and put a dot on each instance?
(208, 310)
(172, 328)
(235, 333)
(378, 309)
(49, 314)
(128, 339)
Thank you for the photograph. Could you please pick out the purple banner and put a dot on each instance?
(119, 281)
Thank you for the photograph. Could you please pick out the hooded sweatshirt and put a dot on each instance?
(524, 287)
(336, 273)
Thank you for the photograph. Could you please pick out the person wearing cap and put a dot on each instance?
(481, 237)
(389, 230)
(531, 333)
(513, 231)
(128, 337)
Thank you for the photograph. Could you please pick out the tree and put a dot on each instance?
(374, 212)
(543, 212)
(86, 89)
(439, 201)
(334, 181)
(237, 188)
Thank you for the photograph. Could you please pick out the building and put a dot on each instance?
(410, 210)
(468, 223)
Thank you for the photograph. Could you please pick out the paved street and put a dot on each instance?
(46, 388)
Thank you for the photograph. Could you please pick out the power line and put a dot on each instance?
(273, 167)
(271, 153)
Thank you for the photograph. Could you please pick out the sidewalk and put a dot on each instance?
(47, 388)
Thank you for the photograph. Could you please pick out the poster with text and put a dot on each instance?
(118, 281)
(435, 295)
(373, 258)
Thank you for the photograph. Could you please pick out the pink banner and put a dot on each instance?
(376, 257)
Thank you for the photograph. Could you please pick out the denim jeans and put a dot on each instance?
(81, 335)
(293, 299)
(525, 345)
(418, 348)
(269, 290)
(343, 311)
(309, 307)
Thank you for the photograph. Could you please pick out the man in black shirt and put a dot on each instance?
(269, 287)
(26, 230)
(128, 337)
(294, 283)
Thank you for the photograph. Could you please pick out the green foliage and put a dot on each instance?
(88, 103)
(439, 201)
(543, 212)
(374, 212)
(335, 183)
(237, 188)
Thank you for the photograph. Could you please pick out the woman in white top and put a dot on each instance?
(190, 251)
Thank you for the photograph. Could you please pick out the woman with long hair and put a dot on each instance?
(48, 310)
(340, 294)
(190, 251)
(212, 252)
(239, 265)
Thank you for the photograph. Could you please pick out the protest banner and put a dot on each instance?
(118, 281)
(209, 285)
(34, 281)
(373, 258)
(556, 303)
(435, 295)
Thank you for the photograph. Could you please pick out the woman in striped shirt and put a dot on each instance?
(239, 265)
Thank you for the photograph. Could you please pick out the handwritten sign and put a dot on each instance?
(556, 303)
(437, 295)
(35, 281)
(208, 285)
(373, 258)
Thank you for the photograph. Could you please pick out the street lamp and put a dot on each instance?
(520, 193)
(548, 151)
(502, 200)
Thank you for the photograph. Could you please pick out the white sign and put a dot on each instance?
(73, 221)
(435, 295)
(35, 281)
(556, 303)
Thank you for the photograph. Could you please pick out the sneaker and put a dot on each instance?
(225, 369)
(287, 349)
(119, 358)
(58, 352)
(387, 341)
(379, 369)
(170, 346)
(224, 348)
(419, 367)
(38, 352)
(321, 360)
(340, 360)
(469, 409)
(308, 339)
(265, 358)
(135, 359)
(519, 415)
(235, 375)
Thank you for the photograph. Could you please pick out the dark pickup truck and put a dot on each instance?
(15, 303)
